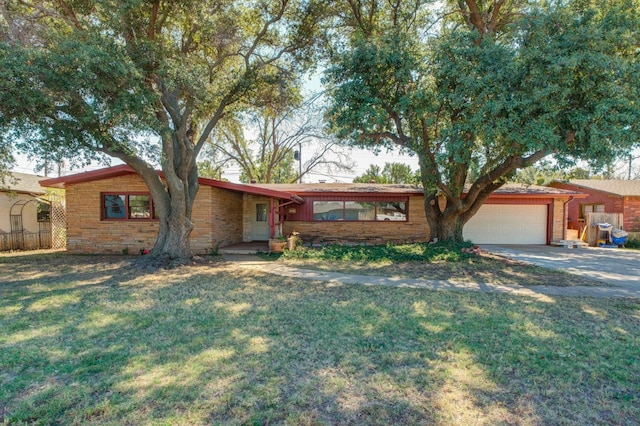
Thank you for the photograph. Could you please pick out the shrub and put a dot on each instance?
(420, 252)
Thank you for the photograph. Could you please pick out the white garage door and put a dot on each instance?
(508, 224)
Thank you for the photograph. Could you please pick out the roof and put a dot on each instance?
(309, 189)
(511, 189)
(342, 188)
(293, 192)
(123, 169)
(105, 173)
(623, 188)
(251, 189)
(23, 183)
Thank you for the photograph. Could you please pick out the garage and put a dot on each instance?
(508, 224)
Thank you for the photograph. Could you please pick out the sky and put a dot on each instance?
(362, 159)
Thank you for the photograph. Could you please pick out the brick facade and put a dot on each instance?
(628, 206)
(213, 218)
(224, 216)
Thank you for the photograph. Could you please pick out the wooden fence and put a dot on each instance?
(592, 221)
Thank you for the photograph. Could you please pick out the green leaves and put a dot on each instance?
(396, 173)
(559, 79)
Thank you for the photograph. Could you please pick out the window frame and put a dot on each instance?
(127, 208)
(375, 202)
(583, 213)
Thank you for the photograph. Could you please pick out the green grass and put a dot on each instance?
(442, 261)
(89, 340)
(423, 252)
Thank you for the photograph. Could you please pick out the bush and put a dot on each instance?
(419, 252)
(633, 244)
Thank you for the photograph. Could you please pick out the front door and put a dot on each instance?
(260, 222)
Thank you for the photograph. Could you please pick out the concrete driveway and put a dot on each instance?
(617, 267)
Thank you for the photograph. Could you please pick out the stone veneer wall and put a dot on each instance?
(224, 223)
(559, 220)
(213, 215)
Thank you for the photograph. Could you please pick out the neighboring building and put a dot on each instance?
(24, 218)
(110, 210)
(604, 196)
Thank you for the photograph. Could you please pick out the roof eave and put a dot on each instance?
(542, 195)
(63, 181)
(250, 189)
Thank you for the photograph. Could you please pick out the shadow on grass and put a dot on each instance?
(217, 345)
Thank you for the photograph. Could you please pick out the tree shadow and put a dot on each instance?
(220, 345)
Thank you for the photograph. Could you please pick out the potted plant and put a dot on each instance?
(277, 245)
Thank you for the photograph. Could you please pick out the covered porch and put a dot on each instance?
(264, 211)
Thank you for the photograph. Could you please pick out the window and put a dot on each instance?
(127, 207)
(361, 211)
(590, 208)
(44, 212)
(392, 210)
(139, 207)
(261, 212)
(328, 210)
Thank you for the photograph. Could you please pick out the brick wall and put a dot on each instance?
(86, 233)
(225, 218)
(628, 206)
(631, 213)
(612, 203)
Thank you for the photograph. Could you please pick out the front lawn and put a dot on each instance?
(88, 340)
(428, 261)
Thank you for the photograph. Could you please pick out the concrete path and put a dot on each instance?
(256, 263)
(617, 267)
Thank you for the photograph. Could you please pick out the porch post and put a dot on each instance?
(272, 219)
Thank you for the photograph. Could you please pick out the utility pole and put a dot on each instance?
(630, 164)
(297, 155)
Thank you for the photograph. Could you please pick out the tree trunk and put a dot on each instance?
(444, 225)
(173, 242)
(173, 199)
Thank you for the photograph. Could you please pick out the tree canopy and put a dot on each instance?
(264, 141)
(144, 81)
(391, 173)
(480, 89)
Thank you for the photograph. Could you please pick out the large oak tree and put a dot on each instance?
(144, 81)
(478, 89)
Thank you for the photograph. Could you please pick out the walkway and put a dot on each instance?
(256, 263)
(617, 267)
